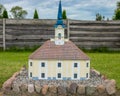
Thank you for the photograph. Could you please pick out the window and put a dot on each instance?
(75, 64)
(86, 75)
(43, 64)
(59, 75)
(75, 75)
(87, 64)
(30, 63)
(59, 35)
(42, 75)
(59, 64)
(30, 74)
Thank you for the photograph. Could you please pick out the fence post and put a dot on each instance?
(68, 29)
(4, 45)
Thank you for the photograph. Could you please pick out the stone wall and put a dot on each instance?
(86, 34)
(20, 85)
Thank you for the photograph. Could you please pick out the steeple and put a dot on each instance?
(60, 11)
(59, 28)
(59, 17)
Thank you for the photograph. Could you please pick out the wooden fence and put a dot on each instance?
(86, 34)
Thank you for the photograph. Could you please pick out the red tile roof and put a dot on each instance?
(68, 51)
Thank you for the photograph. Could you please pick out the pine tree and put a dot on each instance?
(5, 14)
(117, 12)
(64, 14)
(99, 17)
(36, 15)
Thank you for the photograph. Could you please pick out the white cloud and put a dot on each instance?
(76, 9)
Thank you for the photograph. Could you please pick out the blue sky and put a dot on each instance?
(76, 9)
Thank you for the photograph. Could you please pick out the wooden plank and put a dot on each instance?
(96, 38)
(93, 32)
(1, 36)
(95, 27)
(85, 45)
(23, 43)
(27, 40)
(94, 22)
(29, 27)
(32, 21)
(95, 35)
(29, 36)
(15, 33)
(28, 30)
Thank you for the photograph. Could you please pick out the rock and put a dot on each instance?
(81, 89)
(73, 88)
(23, 87)
(38, 88)
(104, 77)
(111, 87)
(90, 90)
(8, 84)
(62, 91)
(30, 88)
(23, 68)
(15, 74)
(53, 89)
(44, 89)
(51, 94)
(101, 89)
(97, 72)
(113, 82)
(16, 88)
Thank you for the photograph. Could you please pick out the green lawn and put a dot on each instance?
(106, 63)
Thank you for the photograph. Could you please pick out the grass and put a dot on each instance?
(106, 63)
(11, 62)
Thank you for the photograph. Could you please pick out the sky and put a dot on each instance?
(76, 9)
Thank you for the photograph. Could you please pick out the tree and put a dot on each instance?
(5, 14)
(117, 12)
(18, 12)
(36, 16)
(64, 14)
(118, 5)
(99, 17)
(2, 8)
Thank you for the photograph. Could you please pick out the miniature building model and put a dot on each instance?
(59, 58)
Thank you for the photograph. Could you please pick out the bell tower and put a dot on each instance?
(59, 27)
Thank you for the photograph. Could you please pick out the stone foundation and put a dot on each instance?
(20, 85)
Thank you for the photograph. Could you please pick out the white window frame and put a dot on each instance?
(87, 75)
(44, 64)
(46, 69)
(59, 70)
(61, 64)
(57, 76)
(76, 68)
(31, 74)
(74, 74)
(30, 68)
(74, 65)
(44, 75)
(87, 64)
